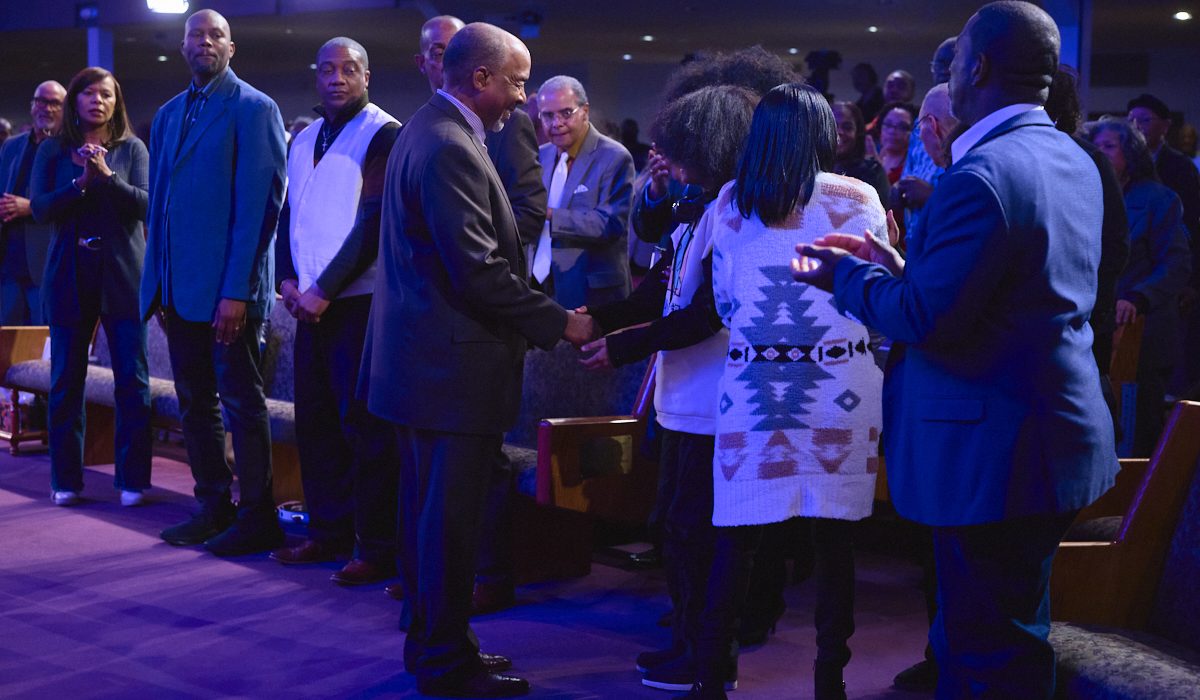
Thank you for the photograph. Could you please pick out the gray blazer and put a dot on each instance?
(214, 202)
(452, 314)
(37, 236)
(589, 230)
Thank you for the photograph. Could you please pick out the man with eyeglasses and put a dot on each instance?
(25, 242)
(581, 258)
(921, 172)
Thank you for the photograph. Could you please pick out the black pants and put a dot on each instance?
(444, 479)
(733, 560)
(209, 376)
(495, 547)
(347, 456)
(993, 590)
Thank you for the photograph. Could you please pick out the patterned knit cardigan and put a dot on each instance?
(799, 406)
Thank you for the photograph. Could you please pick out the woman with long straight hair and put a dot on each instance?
(799, 400)
(91, 183)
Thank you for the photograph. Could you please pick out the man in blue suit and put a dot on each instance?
(995, 429)
(216, 183)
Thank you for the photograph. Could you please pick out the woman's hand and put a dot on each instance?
(599, 357)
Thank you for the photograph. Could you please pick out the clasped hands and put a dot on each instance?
(95, 167)
(818, 259)
(304, 306)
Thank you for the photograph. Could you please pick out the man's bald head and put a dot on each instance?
(936, 122)
(939, 66)
(435, 36)
(207, 45)
(486, 68)
(1006, 54)
(477, 45)
(899, 87)
(46, 108)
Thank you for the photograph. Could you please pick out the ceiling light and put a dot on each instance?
(312, 66)
(162, 59)
(168, 7)
(627, 57)
(793, 51)
(1183, 15)
(647, 37)
(872, 29)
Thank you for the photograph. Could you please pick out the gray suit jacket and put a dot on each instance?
(214, 201)
(588, 231)
(37, 236)
(451, 315)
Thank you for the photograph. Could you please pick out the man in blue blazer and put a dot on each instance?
(995, 429)
(216, 184)
(587, 215)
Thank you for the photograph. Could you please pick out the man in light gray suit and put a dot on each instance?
(581, 257)
(216, 184)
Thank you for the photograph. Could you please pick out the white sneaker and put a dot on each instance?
(132, 498)
(64, 498)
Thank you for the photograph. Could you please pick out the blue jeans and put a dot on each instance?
(68, 370)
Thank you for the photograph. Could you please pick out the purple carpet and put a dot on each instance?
(94, 605)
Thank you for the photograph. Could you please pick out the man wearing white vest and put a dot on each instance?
(325, 254)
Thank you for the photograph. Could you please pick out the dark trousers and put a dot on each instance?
(733, 560)
(993, 619)
(347, 456)
(495, 547)
(20, 301)
(209, 376)
(1149, 418)
(444, 479)
(131, 393)
(688, 534)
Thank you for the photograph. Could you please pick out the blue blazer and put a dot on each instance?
(589, 231)
(995, 410)
(37, 236)
(214, 201)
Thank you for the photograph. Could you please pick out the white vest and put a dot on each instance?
(324, 200)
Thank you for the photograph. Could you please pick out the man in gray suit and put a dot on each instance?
(451, 319)
(216, 184)
(582, 250)
(24, 242)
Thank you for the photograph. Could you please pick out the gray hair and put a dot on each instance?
(348, 44)
(1139, 164)
(565, 82)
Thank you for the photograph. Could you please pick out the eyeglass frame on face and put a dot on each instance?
(564, 114)
(885, 124)
(48, 104)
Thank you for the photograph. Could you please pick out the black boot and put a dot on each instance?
(828, 683)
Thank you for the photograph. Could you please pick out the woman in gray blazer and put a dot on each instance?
(91, 184)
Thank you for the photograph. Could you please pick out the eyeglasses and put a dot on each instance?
(563, 114)
(51, 104)
(897, 126)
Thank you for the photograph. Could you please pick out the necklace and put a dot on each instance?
(328, 135)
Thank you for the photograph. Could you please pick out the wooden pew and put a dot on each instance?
(1112, 582)
(19, 344)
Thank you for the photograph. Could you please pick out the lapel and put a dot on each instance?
(209, 114)
(451, 111)
(583, 162)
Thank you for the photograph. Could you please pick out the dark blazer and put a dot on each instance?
(995, 411)
(37, 236)
(514, 152)
(114, 211)
(1158, 269)
(588, 231)
(452, 314)
(214, 201)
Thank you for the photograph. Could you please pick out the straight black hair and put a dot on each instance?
(792, 139)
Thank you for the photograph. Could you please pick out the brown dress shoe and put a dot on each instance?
(492, 597)
(310, 552)
(359, 572)
(395, 591)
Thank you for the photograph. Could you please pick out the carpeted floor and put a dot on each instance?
(94, 605)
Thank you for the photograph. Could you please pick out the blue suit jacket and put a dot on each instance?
(995, 409)
(214, 202)
(37, 236)
(589, 230)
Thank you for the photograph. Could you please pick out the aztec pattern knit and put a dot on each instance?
(800, 398)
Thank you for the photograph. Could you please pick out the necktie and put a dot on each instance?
(541, 258)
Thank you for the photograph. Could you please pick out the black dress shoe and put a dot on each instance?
(246, 536)
(200, 528)
(494, 663)
(649, 559)
(921, 677)
(481, 685)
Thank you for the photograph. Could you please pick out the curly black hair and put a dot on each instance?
(704, 130)
(753, 68)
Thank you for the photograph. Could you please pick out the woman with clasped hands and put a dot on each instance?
(91, 183)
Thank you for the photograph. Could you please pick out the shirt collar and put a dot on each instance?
(967, 140)
(349, 112)
(209, 88)
(472, 118)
